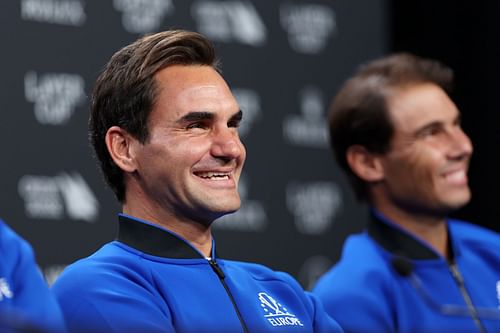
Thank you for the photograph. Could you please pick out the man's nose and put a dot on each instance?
(462, 145)
(226, 143)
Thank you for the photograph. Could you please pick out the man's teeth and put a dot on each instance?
(457, 176)
(214, 175)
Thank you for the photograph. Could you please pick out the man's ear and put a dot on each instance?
(365, 164)
(119, 144)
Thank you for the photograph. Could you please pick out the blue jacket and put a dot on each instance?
(26, 304)
(151, 280)
(389, 281)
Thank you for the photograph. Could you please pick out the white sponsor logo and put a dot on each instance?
(250, 217)
(65, 12)
(143, 16)
(275, 313)
(51, 273)
(312, 269)
(230, 21)
(55, 96)
(249, 102)
(314, 205)
(49, 197)
(5, 291)
(310, 128)
(78, 197)
(309, 26)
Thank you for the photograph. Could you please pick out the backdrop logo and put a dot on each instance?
(249, 102)
(65, 12)
(55, 96)
(229, 21)
(312, 269)
(50, 197)
(308, 129)
(143, 16)
(309, 26)
(250, 217)
(314, 205)
(51, 273)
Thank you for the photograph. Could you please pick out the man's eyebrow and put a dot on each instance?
(197, 116)
(435, 125)
(237, 116)
(204, 116)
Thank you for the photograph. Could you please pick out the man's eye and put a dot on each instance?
(234, 123)
(431, 131)
(195, 125)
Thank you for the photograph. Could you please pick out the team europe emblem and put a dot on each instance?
(275, 313)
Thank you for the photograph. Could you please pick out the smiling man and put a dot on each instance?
(397, 134)
(164, 126)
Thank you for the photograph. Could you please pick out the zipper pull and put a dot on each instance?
(456, 274)
(216, 269)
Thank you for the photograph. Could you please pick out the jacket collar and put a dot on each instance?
(155, 240)
(398, 241)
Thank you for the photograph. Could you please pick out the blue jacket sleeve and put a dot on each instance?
(323, 323)
(26, 303)
(357, 306)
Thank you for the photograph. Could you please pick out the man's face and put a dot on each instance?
(192, 161)
(426, 166)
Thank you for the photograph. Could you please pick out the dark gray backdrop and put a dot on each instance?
(284, 60)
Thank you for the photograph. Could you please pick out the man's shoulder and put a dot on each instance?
(108, 263)
(362, 262)
(10, 240)
(93, 289)
(20, 252)
(108, 291)
(467, 231)
(476, 241)
(362, 251)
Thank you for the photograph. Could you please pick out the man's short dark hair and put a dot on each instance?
(359, 112)
(125, 92)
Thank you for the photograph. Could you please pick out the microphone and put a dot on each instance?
(404, 267)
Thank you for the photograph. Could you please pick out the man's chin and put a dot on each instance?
(460, 200)
(227, 211)
(214, 213)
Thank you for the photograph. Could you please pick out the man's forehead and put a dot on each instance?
(202, 92)
(420, 105)
(186, 89)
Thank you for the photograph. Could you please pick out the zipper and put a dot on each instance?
(457, 276)
(216, 268)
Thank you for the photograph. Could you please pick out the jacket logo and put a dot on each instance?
(275, 313)
(498, 293)
(5, 289)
